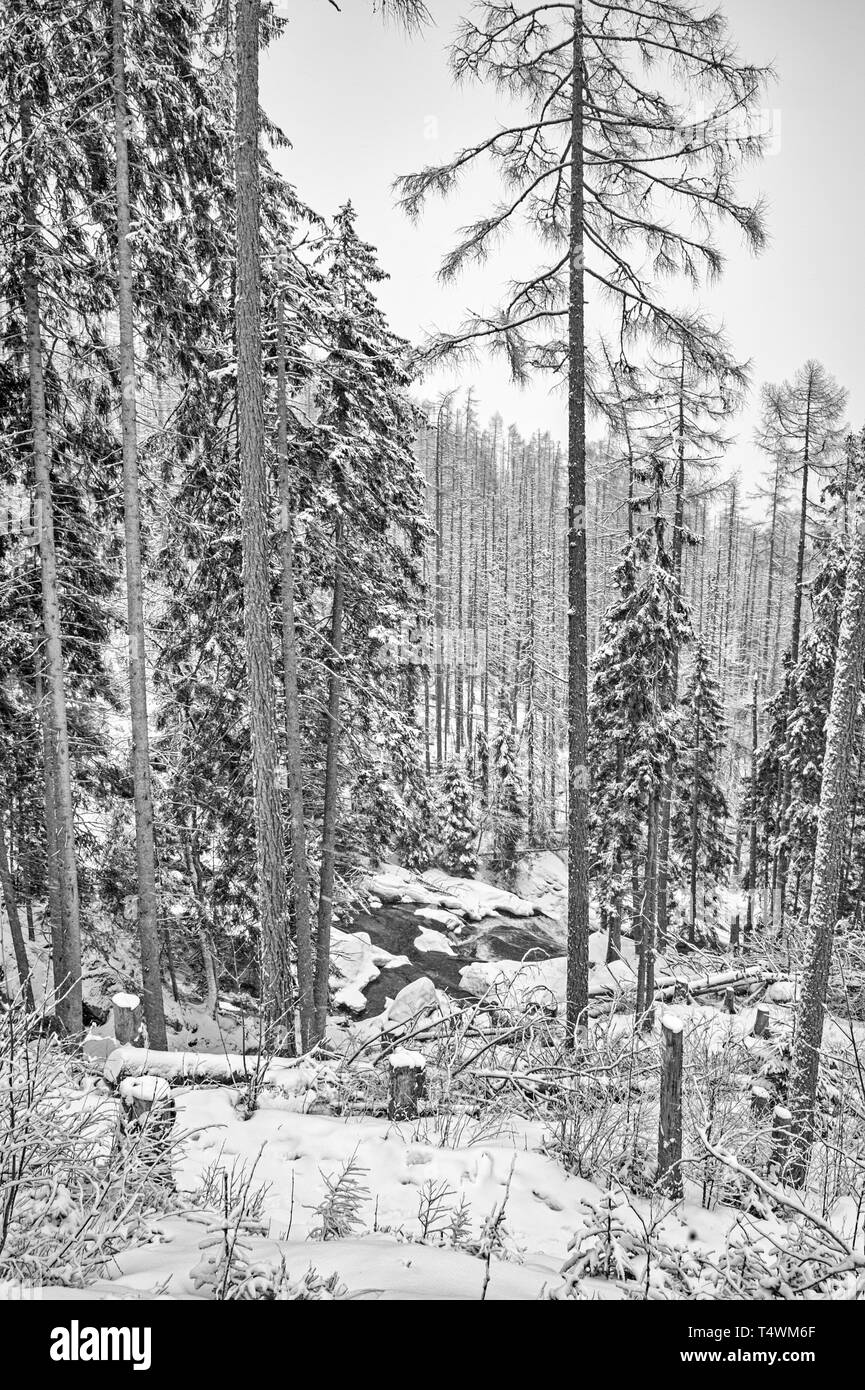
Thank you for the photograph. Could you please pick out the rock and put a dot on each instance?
(516, 981)
(479, 900)
(434, 941)
(414, 999)
(449, 920)
(350, 998)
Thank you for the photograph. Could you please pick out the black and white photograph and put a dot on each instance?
(432, 674)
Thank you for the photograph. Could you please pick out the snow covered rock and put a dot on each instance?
(449, 920)
(433, 941)
(479, 900)
(521, 982)
(414, 999)
(355, 964)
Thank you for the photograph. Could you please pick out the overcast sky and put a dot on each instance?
(362, 103)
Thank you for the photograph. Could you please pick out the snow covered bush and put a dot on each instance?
(75, 1188)
(787, 1255)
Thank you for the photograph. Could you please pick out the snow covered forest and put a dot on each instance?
(432, 849)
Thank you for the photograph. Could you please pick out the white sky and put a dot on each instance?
(362, 103)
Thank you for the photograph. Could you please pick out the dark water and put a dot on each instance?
(394, 929)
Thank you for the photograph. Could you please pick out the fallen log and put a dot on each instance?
(707, 984)
(290, 1076)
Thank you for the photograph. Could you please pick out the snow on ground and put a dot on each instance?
(286, 1157)
(375, 1267)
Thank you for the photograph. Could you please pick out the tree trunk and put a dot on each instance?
(578, 762)
(70, 985)
(11, 904)
(439, 598)
(52, 855)
(293, 744)
(670, 1118)
(648, 916)
(276, 985)
(145, 853)
(770, 578)
(831, 822)
(784, 857)
(695, 818)
(752, 838)
(672, 694)
(803, 526)
(333, 663)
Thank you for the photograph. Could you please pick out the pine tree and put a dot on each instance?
(370, 495)
(148, 902)
(702, 811)
(481, 764)
(634, 729)
(276, 978)
(508, 811)
(459, 823)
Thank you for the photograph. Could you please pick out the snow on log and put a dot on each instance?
(737, 977)
(288, 1076)
(760, 1101)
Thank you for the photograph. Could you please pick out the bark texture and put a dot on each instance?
(578, 758)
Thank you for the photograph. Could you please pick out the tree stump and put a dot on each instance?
(734, 934)
(670, 1120)
(782, 1120)
(761, 1022)
(760, 1100)
(128, 1019)
(148, 1115)
(407, 1084)
(730, 1001)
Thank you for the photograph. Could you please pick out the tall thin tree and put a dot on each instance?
(145, 851)
(276, 982)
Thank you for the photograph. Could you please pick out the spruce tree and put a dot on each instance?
(459, 823)
(507, 813)
(702, 810)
